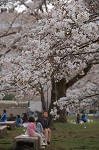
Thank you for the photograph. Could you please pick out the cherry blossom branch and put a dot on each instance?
(78, 76)
(10, 26)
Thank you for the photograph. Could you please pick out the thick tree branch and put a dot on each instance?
(78, 76)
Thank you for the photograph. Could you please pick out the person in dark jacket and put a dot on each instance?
(11, 118)
(45, 121)
(78, 118)
(24, 118)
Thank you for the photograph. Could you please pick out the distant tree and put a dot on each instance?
(9, 97)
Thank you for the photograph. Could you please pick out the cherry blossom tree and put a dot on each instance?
(58, 49)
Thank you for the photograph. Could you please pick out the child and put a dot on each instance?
(39, 130)
(31, 130)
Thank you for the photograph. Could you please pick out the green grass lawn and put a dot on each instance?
(76, 136)
(7, 142)
(66, 137)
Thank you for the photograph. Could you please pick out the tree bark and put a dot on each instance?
(78, 76)
(59, 90)
(42, 98)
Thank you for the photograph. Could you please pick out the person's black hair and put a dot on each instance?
(31, 119)
(44, 111)
(18, 116)
(11, 114)
(4, 111)
(24, 114)
(78, 114)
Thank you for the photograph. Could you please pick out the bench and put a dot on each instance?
(26, 140)
(3, 131)
(10, 124)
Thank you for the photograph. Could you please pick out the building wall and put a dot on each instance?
(14, 111)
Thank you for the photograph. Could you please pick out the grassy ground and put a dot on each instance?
(7, 142)
(65, 137)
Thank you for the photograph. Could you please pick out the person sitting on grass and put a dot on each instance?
(24, 118)
(11, 118)
(78, 118)
(31, 131)
(18, 121)
(84, 118)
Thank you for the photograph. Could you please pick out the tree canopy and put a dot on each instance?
(60, 44)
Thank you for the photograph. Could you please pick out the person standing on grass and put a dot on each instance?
(4, 116)
(31, 130)
(45, 121)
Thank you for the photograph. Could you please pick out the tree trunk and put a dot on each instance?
(42, 98)
(58, 91)
(53, 99)
(61, 89)
(61, 92)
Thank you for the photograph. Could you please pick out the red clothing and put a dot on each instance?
(31, 128)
